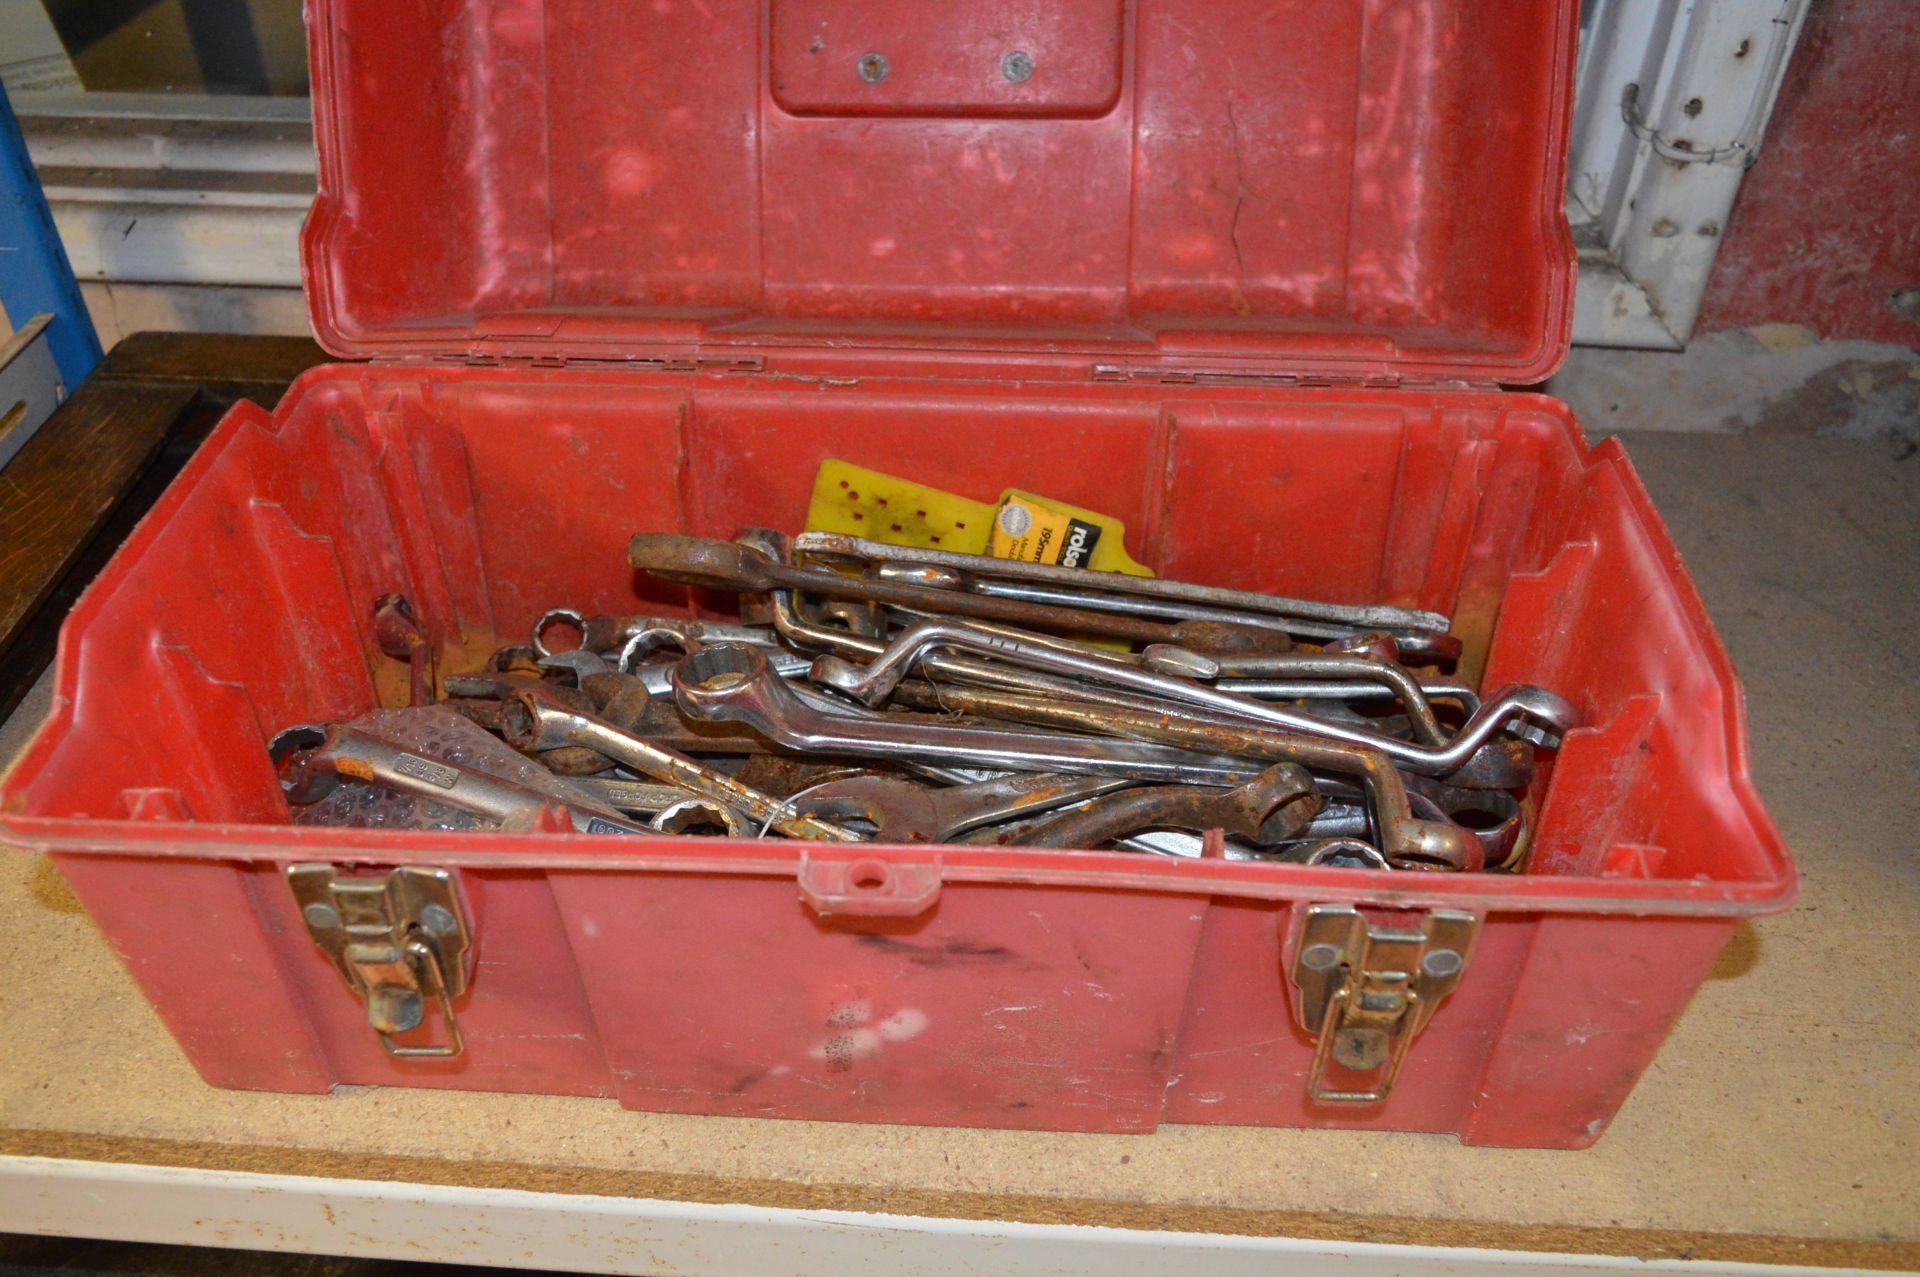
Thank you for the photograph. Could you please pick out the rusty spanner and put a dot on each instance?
(399, 636)
(1270, 808)
(903, 811)
(1405, 839)
(732, 565)
(529, 722)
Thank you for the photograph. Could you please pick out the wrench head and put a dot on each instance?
(1501, 763)
(1277, 804)
(1375, 645)
(650, 640)
(304, 776)
(1178, 662)
(860, 682)
(1435, 648)
(1230, 638)
(1541, 716)
(1432, 844)
(394, 626)
(557, 616)
(931, 576)
(582, 663)
(723, 565)
(1344, 853)
(899, 810)
(771, 542)
(696, 815)
(732, 683)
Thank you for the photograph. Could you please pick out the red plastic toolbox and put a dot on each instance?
(1242, 274)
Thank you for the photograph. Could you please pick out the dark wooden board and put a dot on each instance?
(74, 492)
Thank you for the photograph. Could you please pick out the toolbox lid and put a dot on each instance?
(1340, 189)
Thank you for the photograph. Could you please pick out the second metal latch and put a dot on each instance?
(1366, 991)
(398, 938)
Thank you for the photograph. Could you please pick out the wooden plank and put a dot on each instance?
(214, 359)
(76, 491)
(69, 478)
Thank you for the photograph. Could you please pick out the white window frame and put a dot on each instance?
(1672, 102)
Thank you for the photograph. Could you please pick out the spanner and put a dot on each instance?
(1403, 837)
(1366, 616)
(601, 632)
(903, 811)
(730, 682)
(527, 722)
(873, 683)
(1270, 808)
(311, 759)
(691, 814)
(399, 636)
(1310, 665)
(733, 565)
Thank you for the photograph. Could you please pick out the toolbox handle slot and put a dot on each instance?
(868, 886)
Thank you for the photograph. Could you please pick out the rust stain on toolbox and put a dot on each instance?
(1255, 306)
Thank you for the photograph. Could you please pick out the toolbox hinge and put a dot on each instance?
(398, 938)
(660, 363)
(1366, 991)
(1181, 375)
(1375, 379)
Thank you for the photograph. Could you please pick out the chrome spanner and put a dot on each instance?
(733, 683)
(600, 632)
(872, 684)
(1364, 616)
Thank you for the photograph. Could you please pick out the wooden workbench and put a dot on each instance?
(1778, 1125)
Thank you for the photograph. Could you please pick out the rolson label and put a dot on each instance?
(426, 769)
(599, 826)
(1032, 533)
(1078, 548)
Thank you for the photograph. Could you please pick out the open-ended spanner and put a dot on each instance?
(1404, 838)
(1270, 808)
(734, 565)
(903, 811)
(733, 683)
(871, 684)
(529, 722)
(312, 759)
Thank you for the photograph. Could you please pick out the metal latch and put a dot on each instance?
(398, 938)
(1367, 990)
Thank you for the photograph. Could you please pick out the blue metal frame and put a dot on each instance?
(35, 276)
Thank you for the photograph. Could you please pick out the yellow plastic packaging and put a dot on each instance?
(856, 501)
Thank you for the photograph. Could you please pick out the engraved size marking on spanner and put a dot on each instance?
(426, 769)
